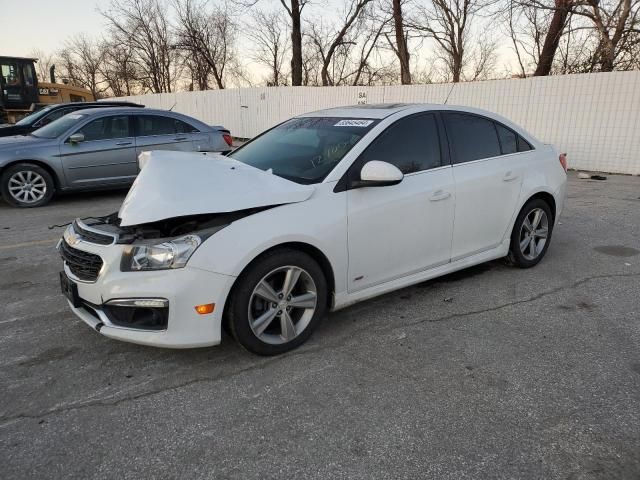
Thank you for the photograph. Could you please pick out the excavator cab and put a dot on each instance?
(18, 84)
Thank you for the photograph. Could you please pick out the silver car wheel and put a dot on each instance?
(534, 233)
(287, 294)
(27, 186)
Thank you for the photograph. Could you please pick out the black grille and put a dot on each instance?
(83, 265)
(92, 237)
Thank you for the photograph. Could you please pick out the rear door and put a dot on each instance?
(107, 156)
(157, 132)
(487, 182)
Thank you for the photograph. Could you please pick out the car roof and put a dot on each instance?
(377, 111)
(384, 110)
(142, 111)
(94, 110)
(93, 105)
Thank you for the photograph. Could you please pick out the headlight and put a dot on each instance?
(166, 255)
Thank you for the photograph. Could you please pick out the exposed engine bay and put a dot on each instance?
(169, 227)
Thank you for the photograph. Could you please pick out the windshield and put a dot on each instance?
(33, 117)
(59, 126)
(304, 150)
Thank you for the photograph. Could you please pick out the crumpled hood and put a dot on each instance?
(176, 184)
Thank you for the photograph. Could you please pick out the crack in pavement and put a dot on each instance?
(538, 296)
(101, 402)
(5, 421)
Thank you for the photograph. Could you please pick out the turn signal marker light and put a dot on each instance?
(206, 308)
(563, 161)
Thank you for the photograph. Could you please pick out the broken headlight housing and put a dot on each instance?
(163, 256)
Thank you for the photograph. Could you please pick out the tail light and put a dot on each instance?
(563, 161)
(228, 139)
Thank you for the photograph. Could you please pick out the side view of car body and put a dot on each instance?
(46, 115)
(96, 148)
(320, 212)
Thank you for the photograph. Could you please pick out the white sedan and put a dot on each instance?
(322, 211)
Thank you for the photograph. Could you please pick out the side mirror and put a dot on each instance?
(379, 174)
(76, 138)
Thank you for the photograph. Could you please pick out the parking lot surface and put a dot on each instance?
(492, 372)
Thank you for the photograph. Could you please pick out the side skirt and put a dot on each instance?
(344, 299)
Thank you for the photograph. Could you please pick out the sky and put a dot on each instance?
(45, 24)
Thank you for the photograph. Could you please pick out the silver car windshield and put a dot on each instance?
(59, 126)
(35, 116)
(304, 150)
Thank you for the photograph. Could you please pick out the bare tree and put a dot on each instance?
(330, 43)
(81, 60)
(268, 34)
(448, 23)
(118, 69)
(400, 47)
(552, 38)
(294, 9)
(44, 63)
(143, 26)
(368, 72)
(208, 36)
(616, 21)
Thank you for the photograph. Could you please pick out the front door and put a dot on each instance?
(106, 156)
(394, 231)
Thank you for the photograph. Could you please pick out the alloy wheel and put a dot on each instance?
(534, 233)
(27, 186)
(282, 304)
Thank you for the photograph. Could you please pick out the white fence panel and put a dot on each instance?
(595, 118)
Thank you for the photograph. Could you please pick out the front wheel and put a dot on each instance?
(531, 234)
(278, 302)
(26, 185)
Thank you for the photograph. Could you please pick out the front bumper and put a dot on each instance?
(184, 288)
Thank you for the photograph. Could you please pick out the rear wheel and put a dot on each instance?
(277, 302)
(531, 234)
(26, 185)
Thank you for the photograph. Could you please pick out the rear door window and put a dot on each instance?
(471, 137)
(148, 125)
(183, 127)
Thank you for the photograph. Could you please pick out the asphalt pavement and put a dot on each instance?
(492, 372)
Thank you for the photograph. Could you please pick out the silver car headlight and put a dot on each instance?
(163, 256)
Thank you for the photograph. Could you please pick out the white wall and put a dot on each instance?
(595, 118)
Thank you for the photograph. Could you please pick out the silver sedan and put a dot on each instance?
(96, 149)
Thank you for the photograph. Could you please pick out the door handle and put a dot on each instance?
(120, 144)
(509, 176)
(180, 139)
(439, 195)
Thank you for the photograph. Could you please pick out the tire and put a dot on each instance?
(522, 253)
(261, 319)
(26, 185)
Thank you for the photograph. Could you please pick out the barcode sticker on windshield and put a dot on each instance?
(353, 123)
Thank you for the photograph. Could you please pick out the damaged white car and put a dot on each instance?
(320, 212)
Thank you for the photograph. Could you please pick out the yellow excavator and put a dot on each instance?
(21, 93)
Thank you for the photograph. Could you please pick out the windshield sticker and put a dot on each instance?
(353, 123)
